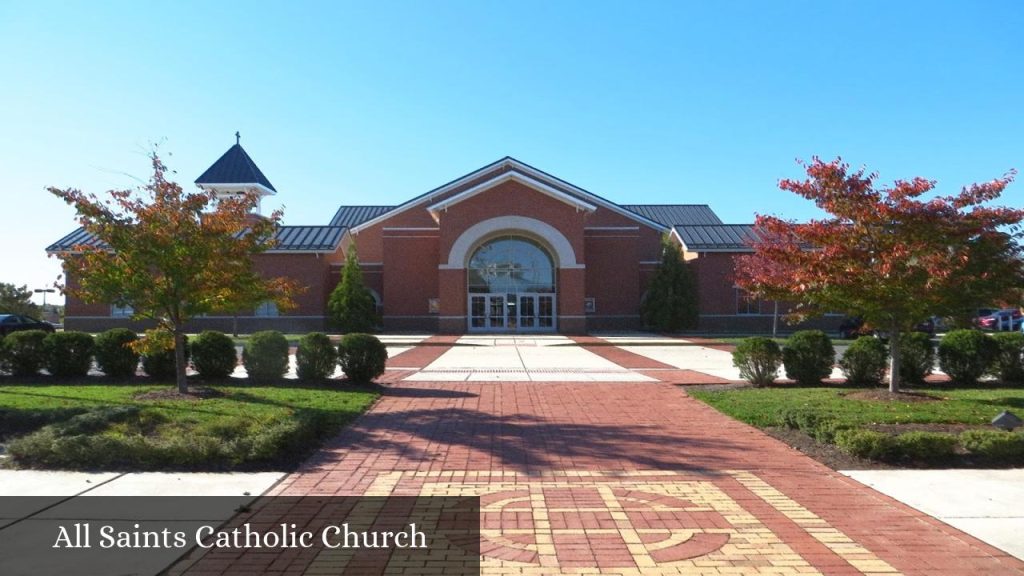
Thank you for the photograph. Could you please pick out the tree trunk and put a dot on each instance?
(179, 360)
(894, 360)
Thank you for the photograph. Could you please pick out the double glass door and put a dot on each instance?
(524, 312)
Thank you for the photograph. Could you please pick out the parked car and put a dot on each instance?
(16, 323)
(1006, 319)
(853, 326)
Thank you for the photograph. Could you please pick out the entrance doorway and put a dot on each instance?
(512, 312)
(511, 285)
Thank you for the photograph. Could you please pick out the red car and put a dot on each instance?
(1006, 319)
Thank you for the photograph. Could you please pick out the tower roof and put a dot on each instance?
(235, 167)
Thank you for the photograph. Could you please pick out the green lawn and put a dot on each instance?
(828, 417)
(766, 406)
(105, 427)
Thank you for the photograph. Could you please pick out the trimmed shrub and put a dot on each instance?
(670, 304)
(316, 357)
(917, 357)
(994, 446)
(808, 357)
(161, 365)
(114, 353)
(865, 361)
(1009, 362)
(213, 355)
(362, 357)
(69, 353)
(758, 360)
(25, 352)
(265, 355)
(114, 438)
(351, 305)
(928, 447)
(822, 426)
(965, 355)
(866, 444)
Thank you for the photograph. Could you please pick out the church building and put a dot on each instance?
(506, 248)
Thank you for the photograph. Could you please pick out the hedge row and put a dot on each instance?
(78, 443)
(808, 356)
(986, 446)
(70, 354)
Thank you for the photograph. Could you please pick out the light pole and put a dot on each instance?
(44, 292)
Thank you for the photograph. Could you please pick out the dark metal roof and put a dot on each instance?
(289, 239)
(721, 237)
(308, 238)
(675, 214)
(234, 167)
(351, 216)
(77, 238)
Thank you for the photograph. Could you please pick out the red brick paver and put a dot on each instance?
(643, 364)
(623, 358)
(630, 478)
(421, 355)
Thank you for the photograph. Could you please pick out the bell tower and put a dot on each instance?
(235, 173)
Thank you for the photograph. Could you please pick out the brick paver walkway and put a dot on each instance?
(629, 478)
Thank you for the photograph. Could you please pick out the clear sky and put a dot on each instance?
(372, 103)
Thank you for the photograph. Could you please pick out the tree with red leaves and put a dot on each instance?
(887, 254)
(172, 256)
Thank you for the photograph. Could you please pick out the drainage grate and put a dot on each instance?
(526, 370)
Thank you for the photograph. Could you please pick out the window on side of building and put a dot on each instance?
(267, 309)
(125, 311)
(746, 304)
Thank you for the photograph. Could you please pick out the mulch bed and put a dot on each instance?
(901, 428)
(719, 387)
(194, 394)
(827, 454)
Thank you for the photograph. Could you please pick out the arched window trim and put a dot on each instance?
(499, 276)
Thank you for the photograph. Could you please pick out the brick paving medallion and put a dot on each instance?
(640, 522)
(628, 478)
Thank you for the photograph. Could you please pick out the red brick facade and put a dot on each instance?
(414, 258)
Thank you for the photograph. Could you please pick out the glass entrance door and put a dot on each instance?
(536, 312)
(511, 312)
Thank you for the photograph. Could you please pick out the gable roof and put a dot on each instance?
(350, 216)
(510, 175)
(676, 214)
(77, 238)
(499, 169)
(235, 167)
(289, 239)
(716, 238)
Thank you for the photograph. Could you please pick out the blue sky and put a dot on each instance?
(372, 103)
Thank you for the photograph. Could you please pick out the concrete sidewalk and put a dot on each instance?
(548, 358)
(58, 483)
(987, 504)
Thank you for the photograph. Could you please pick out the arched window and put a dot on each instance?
(266, 309)
(511, 264)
